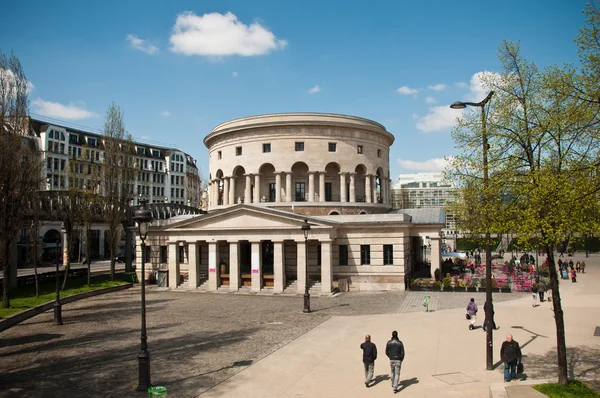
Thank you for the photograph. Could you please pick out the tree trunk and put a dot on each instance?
(561, 343)
(6, 273)
(88, 260)
(67, 245)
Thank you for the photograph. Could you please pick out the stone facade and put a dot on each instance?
(269, 176)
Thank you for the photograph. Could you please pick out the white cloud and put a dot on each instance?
(438, 118)
(235, 74)
(430, 165)
(165, 113)
(216, 35)
(478, 89)
(437, 87)
(141, 45)
(461, 84)
(430, 100)
(60, 111)
(405, 90)
(314, 89)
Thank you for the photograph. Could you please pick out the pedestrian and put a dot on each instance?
(541, 290)
(571, 263)
(395, 352)
(369, 357)
(578, 266)
(487, 321)
(583, 267)
(534, 294)
(472, 313)
(573, 275)
(510, 353)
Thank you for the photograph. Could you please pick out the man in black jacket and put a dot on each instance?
(510, 353)
(395, 352)
(369, 357)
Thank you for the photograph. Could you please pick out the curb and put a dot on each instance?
(498, 390)
(19, 317)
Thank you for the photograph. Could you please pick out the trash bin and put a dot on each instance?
(162, 278)
(157, 391)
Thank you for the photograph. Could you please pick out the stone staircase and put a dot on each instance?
(314, 288)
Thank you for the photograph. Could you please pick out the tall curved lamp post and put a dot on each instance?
(57, 303)
(143, 217)
(489, 312)
(305, 231)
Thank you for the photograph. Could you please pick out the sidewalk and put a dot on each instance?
(443, 358)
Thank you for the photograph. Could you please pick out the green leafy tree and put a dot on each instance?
(544, 162)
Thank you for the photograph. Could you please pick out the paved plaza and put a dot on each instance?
(234, 345)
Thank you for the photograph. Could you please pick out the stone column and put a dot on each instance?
(248, 190)
(278, 187)
(278, 268)
(232, 190)
(321, 186)
(256, 196)
(288, 187)
(256, 267)
(352, 187)
(173, 266)
(326, 269)
(301, 265)
(213, 265)
(234, 266)
(226, 191)
(193, 265)
(343, 187)
(311, 186)
(436, 255)
(368, 188)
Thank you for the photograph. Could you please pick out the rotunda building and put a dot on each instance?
(315, 163)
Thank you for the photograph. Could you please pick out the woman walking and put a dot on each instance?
(472, 313)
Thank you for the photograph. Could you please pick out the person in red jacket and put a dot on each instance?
(573, 275)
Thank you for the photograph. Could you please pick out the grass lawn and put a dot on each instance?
(24, 298)
(575, 389)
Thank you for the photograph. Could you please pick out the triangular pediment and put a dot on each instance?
(243, 217)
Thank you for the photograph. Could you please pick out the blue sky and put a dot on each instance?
(179, 68)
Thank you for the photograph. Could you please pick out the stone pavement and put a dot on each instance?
(443, 358)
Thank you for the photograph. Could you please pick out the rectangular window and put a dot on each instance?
(91, 141)
(172, 179)
(266, 148)
(238, 151)
(343, 254)
(300, 191)
(272, 188)
(328, 192)
(51, 135)
(359, 149)
(332, 147)
(153, 191)
(62, 148)
(379, 153)
(299, 146)
(163, 254)
(219, 155)
(319, 254)
(388, 254)
(365, 254)
(181, 254)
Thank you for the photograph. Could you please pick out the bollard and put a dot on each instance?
(426, 303)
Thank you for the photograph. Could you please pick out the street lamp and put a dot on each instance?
(305, 230)
(489, 313)
(57, 304)
(143, 217)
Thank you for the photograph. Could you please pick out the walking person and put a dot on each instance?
(534, 294)
(583, 267)
(578, 266)
(472, 313)
(369, 356)
(510, 353)
(541, 290)
(395, 352)
(573, 275)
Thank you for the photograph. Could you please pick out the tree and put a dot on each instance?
(20, 163)
(544, 155)
(119, 175)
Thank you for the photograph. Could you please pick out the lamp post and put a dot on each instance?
(143, 217)
(305, 230)
(489, 313)
(128, 237)
(57, 304)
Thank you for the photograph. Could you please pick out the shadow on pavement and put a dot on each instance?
(32, 338)
(582, 361)
(407, 383)
(378, 379)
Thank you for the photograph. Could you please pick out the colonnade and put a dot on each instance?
(253, 194)
(193, 258)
